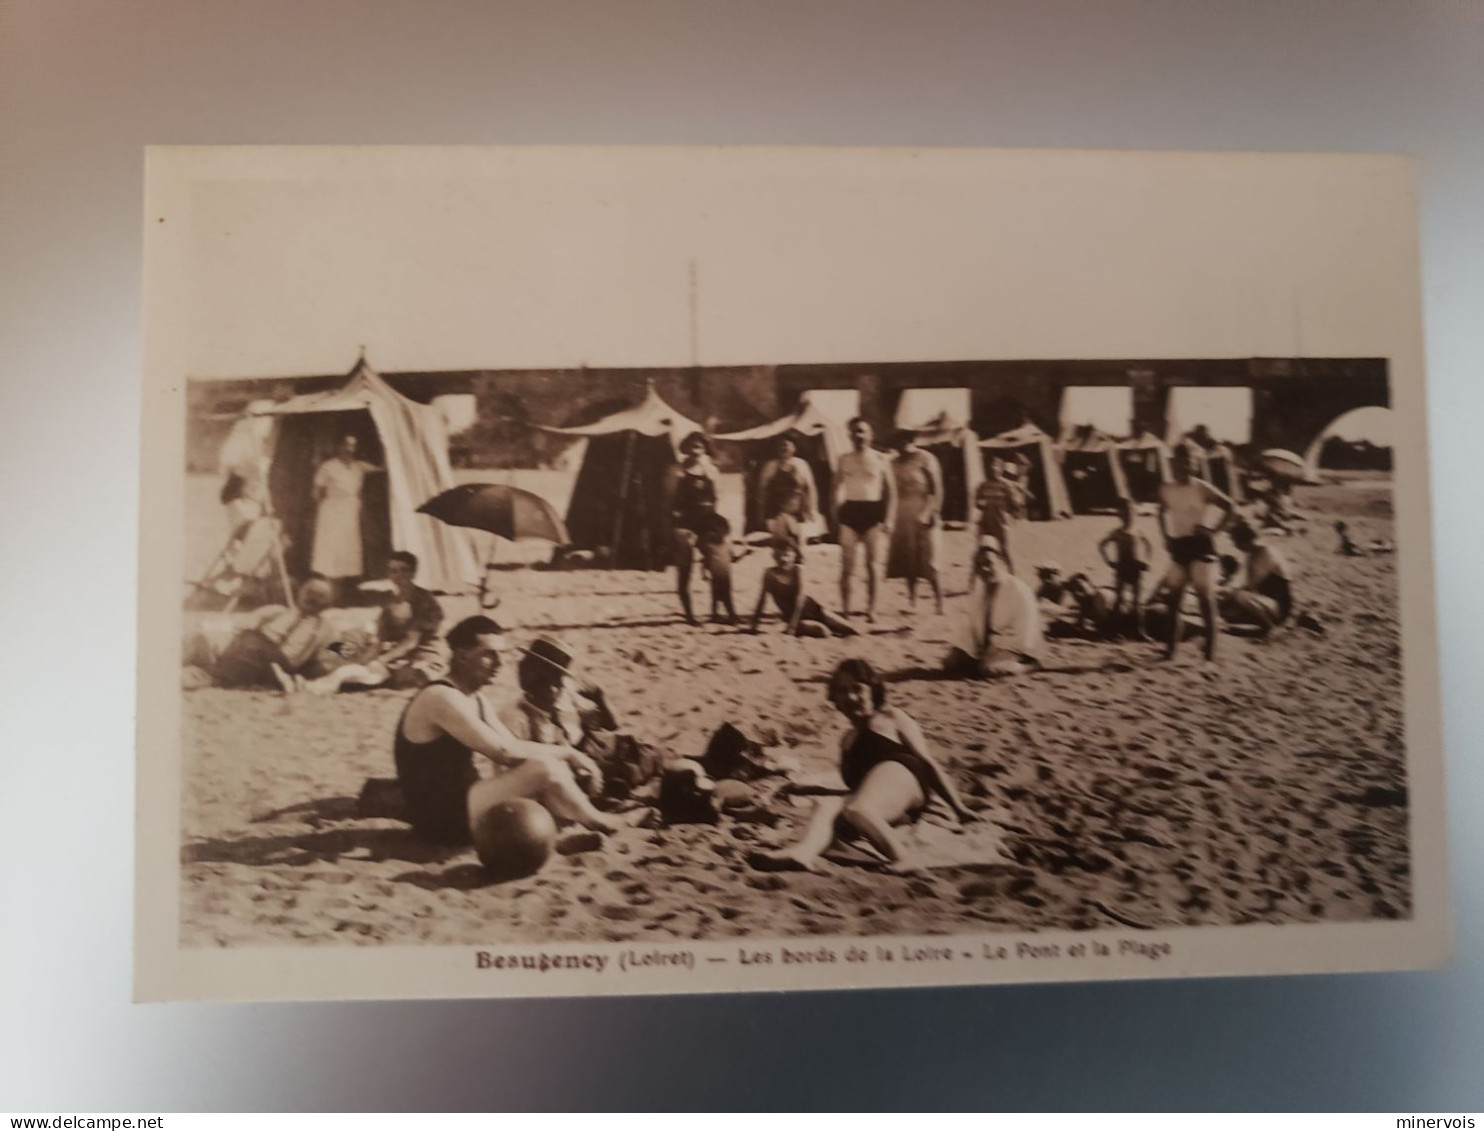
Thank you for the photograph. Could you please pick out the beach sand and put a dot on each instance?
(1268, 787)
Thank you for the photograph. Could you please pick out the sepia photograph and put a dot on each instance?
(722, 655)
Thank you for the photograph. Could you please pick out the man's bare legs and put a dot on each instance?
(549, 782)
(874, 541)
(849, 540)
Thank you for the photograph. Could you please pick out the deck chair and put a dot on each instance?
(250, 566)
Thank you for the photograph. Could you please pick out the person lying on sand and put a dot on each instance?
(1051, 587)
(784, 583)
(1092, 612)
(889, 773)
(449, 721)
(1131, 552)
(275, 645)
(1265, 598)
(407, 650)
(1000, 633)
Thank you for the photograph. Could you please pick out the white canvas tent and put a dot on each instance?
(1043, 477)
(408, 440)
(618, 499)
(1093, 471)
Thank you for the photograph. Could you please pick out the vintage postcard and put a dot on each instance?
(604, 571)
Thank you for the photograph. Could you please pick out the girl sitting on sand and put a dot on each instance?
(784, 583)
(890, 777)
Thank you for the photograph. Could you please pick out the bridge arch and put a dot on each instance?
(1358, 439)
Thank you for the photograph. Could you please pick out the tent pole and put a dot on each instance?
(623, 494)
(484, 580)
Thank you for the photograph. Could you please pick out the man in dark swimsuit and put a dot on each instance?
(865, 505)
(448, 722)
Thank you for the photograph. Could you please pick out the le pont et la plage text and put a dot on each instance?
(635, 960)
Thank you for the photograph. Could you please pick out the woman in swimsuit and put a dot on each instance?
(699, 526)
(889, 774)
(784, 583)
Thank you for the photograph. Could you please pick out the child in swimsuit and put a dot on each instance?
(888, 771)
(784, 583)
(1129, 561)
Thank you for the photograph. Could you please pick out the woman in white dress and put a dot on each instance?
(337, 521)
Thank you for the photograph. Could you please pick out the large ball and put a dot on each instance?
(514, 839)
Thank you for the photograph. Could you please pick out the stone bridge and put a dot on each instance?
(1293, 401)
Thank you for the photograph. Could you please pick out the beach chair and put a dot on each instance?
(250, 564)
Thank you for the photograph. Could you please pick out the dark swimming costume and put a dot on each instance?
(786, 493)
(435, 778)
(1129, 573)
(1277, 590)
(870, 749)
(1192, 548)
(695, 503)
(862, 514)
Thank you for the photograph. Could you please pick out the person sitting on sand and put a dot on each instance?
(275, 645)
(449, 721)
(889, 772)
(1265, 598)
(783, 582)
(1000, 634)
(554, 706)
(1347, 547)
(1131, 552)
(1183, 504)
(407, 650)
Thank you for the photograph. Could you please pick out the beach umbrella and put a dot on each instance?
(500, 509)
(1285, 465)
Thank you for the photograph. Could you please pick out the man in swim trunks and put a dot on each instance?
(449, 721)
(1191, 542)
(865, 507)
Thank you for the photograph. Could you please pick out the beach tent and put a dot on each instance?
(405, 438)
(1223, 472)
(1093, 471)
(618, 499)
(1042, 477)
(819, 441)
(1145, 461)
(956, 447)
